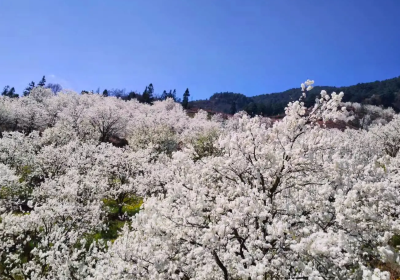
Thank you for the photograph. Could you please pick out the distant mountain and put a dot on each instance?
(384, 93)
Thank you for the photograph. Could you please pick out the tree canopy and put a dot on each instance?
(196, 197)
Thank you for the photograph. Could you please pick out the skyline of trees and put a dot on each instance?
(384, 93)
(148, 96)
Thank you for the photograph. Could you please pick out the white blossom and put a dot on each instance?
(242, 198)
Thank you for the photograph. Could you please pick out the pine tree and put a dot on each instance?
(42, 82)
(148, 94)
(10, 92)
(29, 88)
(185, 102)
(5, 91)
(105, 93)
(170, 94)
(164, 95)
(145, 95)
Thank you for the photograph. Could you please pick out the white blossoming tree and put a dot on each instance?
(196, 198)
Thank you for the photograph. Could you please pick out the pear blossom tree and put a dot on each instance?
(242, 198)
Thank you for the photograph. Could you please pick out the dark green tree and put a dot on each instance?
(105, 93)
(262, 109)
(147, 96)
(170, 94)
(232, 110)
(164, 95)
(42, 82)
(131, 95)
(388, 98)
(5, 91)
(185, 102)
(10, 92)
(29, 88)
(251, 109)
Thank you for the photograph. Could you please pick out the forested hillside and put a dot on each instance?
(380, 93)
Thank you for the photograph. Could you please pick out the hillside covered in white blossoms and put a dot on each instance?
(95, 187)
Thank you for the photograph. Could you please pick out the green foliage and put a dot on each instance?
(185, 102)
(10, 92)
(131, 205)
(380, 93)
(170, 94)
(24, 173)
(147, 96)
(110, 234)
(29, 88)
(395, 241)
(204, 146)
(42, 82)
(233, 108)
(22, 189)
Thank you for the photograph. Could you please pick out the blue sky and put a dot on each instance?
(246, 46)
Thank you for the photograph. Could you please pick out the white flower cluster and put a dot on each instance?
(243, 198)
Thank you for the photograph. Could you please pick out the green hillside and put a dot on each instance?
(384, 93)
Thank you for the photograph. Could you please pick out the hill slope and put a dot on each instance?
(384, 93)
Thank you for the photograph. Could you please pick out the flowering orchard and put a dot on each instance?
(196, 198)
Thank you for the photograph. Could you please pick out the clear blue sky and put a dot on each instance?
(247, 46)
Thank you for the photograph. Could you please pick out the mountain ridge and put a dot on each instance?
(384, 93)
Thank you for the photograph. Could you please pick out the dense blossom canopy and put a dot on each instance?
(242, 198)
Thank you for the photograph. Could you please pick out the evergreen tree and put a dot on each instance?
(251, 109)
(29, 88)
(42, 82)
(185, 102)
(5, 91)
(145, 95)
(132, 95)
(10, 92)
(148, 94)
(164, 95)
(105, 93)
(262, 109)
(170, 94)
